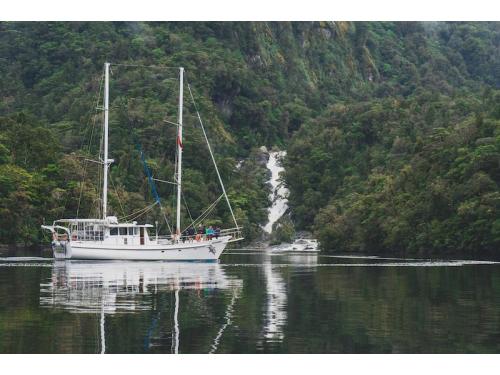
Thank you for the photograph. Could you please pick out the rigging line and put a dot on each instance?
(162, 211)
(170, 122)
(82, 183)
(187, 209)
(143, 213)
(117, 195)
(212, 155)
(93, 117)
(93, 109)
(166, 220)
(201, 218)
(165, 182)
(138, 211)
(205, 213)
(183, 125)
(208, 210)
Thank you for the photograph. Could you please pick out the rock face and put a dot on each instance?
(263, 156)
(279, 193)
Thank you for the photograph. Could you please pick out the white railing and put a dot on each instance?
(234, 233)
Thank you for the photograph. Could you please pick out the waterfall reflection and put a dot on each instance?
(275, 314)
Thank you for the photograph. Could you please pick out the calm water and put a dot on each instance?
(251, 302)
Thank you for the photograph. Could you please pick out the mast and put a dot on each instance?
(105, 162)
(179, 151)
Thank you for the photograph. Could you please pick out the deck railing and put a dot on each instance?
(234, 233)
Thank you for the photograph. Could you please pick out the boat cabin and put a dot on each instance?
(108, 231)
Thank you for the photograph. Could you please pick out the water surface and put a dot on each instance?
(251, 302)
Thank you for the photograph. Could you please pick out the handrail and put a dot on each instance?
(234, 233)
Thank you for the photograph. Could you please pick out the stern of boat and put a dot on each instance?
(61, 246)
(61, 249)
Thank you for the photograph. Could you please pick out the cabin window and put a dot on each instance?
(113, 231)
(132, 231)
(123, 231)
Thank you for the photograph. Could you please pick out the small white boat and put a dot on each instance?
(301, 245)
(108, 239)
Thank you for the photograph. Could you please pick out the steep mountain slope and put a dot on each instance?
(417, 168)
(256, 83)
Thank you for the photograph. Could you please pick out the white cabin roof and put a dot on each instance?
(107, 222)
(130, 225)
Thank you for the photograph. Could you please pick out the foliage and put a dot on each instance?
(391, 126)
(283, 231)
(408, 175)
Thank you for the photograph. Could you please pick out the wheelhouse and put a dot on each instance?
(108, 231)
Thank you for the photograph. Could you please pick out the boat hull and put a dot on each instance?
(61, 249)
(189, 251)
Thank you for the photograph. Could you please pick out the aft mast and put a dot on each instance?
(179, 152)
(106, 162)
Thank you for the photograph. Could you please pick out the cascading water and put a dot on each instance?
(279, 193)
(279, 198)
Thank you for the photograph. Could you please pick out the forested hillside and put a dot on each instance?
(391, 128)
(412, 165)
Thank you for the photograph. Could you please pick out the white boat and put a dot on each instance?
(301, 245)
(108, 239)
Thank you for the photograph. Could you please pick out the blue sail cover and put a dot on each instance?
(148, 174)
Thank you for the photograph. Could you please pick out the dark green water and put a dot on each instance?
(250, 302)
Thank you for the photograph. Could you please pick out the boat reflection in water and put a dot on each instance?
(107, 288)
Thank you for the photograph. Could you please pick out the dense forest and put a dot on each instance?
(411, 164)
(392, 129)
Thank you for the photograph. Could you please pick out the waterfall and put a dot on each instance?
(279, 192)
